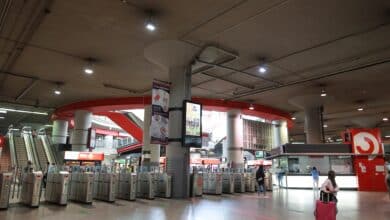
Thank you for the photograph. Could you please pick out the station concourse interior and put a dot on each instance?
(178, 109)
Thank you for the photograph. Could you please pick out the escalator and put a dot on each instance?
(20, 152)
(41, 153)
(51, 154)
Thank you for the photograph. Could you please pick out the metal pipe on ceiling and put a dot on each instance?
(228, 80)
(261, 90)
(27, 89)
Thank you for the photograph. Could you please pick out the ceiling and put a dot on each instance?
(342, 46)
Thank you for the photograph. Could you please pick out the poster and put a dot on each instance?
(193, 118)
(160, 113)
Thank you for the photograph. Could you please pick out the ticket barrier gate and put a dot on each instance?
(239, 183)
(127, 186)
(31, 188)
(212, 183)
(268, 181)
(196, 184)
(227, 183)
(105, 186)
(250, 182)
(57, 187)
(145, 185)
(163, 185)
(5, 188)
(81, 187)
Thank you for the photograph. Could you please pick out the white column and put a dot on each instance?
(60, 131)
(283, 130)
(178, 157)
(235, 139)
(82, 122)
(276, 138)
(150, 152)
(313, 125)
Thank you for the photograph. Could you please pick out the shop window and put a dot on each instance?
(341, 164)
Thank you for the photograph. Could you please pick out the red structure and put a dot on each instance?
(369, 159)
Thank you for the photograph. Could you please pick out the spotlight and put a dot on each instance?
(325, 126)
(323, 93)
(150, 26)
(88, 69)
(385, 119)
(262, 69)
(251, 107)
(360, 109)
(293, 118)
(57, 92)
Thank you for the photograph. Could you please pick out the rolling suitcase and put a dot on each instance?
(325, 210)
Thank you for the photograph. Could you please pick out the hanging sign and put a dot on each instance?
(160, 113)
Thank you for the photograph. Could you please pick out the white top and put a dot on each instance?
(328, 187)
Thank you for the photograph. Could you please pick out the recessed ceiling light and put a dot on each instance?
(251, 107)
(262, 69)
(1, 117)
(360, 109)
(323, 93)
(150, 26)
(3, 111)
(293, 118)
(57, 92)
(387, 136)
(325, 125)
(385, 119)
(88, 70)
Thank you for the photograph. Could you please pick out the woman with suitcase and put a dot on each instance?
(326, 206)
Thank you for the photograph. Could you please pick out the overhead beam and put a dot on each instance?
(27, 89)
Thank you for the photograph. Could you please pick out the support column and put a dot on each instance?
(178, 157)
(60, 131)
(235, 139)
(276, 137)
(283, 130)
(313, 125)
(150, 152)
(82, 122)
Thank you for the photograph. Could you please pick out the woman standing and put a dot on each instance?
(329, 188)
(315, 175)
(260, 179)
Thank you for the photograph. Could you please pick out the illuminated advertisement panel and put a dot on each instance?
(192, 134)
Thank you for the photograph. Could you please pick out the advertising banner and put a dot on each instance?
(192, 132)
(160, 113)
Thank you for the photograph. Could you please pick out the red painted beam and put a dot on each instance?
(129, 148)
(125, 123)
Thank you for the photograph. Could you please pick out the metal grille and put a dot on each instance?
(258, 135)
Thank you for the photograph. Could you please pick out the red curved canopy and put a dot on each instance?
(100, 106)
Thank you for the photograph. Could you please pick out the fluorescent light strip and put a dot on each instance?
(1, 117)
(3, 111)
(23, 111)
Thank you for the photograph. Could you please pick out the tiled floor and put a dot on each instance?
(283, 204)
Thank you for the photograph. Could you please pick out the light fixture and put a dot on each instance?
(1, 117)
(360, 109)
(23, 111)
(57, 90)
(323, 93)
(262, 69)
(88, 69)
(293, 118)
(325, 125)
(251, 107)
(3, 111)
(149, 24)
(387, 136)
(385, 119)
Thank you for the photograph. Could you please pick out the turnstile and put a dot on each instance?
(268, 181)
(164, 185)
(127, 186)
(57, 187)
(5, 187)
(196, 184)
(227, 183)
(81, 187)
(212, 183)
(250, 182)
(239, 183)
(31, 188)
(105, 186)
(145, 185)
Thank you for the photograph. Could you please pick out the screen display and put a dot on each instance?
(193, 119)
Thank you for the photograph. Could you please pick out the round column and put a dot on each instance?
(235, 153)
(313, 125)
(60, 131)
(283, 131)
(82, 122)
(150, 152)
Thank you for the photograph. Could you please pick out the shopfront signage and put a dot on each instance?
(160, 113)
(84, 156)
(366, 141)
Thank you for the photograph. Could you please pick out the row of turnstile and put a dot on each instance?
(82, 187)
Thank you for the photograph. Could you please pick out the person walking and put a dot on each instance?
(315, 175)
(387, 179)
(260, 177)
(329, 187)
